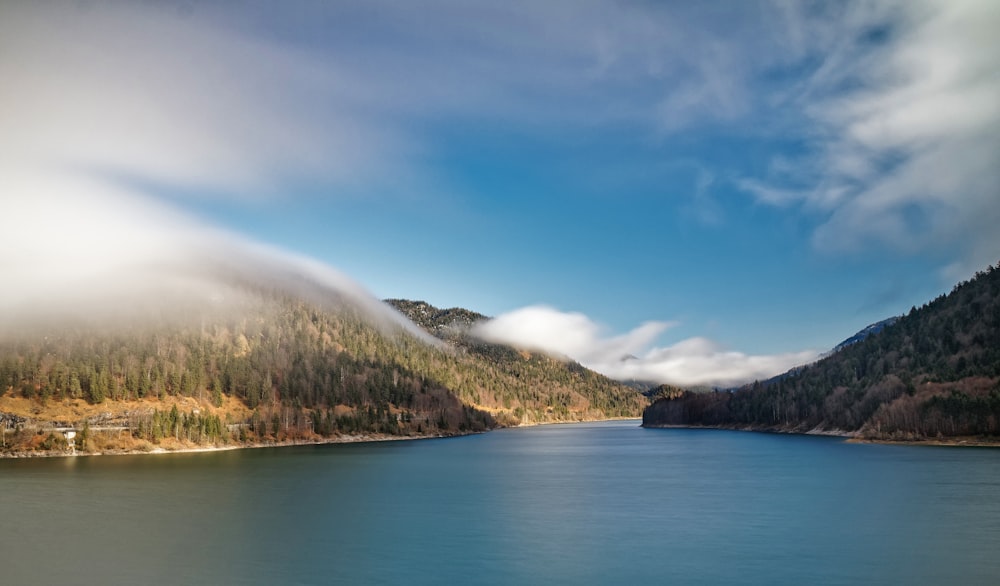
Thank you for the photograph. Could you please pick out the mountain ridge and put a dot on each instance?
(868, 330)
(277, 369)
(442, 323)
(934, 372)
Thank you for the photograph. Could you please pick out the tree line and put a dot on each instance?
(300, 370)
(936, 371)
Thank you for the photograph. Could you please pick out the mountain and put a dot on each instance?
(273, 368)
(867, 331)
(666, 391)
(447, 324)
(934, 372)
(857, 337)
(548, 388)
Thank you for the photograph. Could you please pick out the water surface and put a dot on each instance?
(604, 503)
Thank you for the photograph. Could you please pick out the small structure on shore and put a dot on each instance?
(70, 435)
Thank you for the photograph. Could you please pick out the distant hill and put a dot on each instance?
(538, 378)
(667, 392)
(275, 368)
(934, 372)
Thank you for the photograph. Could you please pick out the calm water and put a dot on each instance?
(606, 503)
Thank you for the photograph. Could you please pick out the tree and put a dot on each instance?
(84, 435)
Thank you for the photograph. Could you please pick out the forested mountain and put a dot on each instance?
(277, 369)
(867, 331)
(447, 324)
(933, 372)
(576, 387)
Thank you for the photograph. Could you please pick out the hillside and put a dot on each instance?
(864, 333)
(934, 372)
(578, 391)
(276, 369)
(446, 324)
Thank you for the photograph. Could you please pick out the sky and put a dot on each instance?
(694, 193)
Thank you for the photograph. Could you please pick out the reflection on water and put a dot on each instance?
(583, 504)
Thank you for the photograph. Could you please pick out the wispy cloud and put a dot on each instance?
(703, 207)
(632, 355)
(99, 100)
(901, 117)
(143, 93)
(206, 99)
(768, 194)
(78, 248)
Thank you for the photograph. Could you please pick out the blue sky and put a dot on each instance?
(721, 190)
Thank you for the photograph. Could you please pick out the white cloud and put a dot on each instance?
(85, 249)
(223, 101)
(703, 207)
(694, 361)
(765, 193)
(147, 94)
(570, 334)
(104, 104)
(99, 101)
(901, 117)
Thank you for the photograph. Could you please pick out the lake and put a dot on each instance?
(595, 503)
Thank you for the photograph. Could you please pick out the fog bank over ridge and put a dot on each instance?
(634, 355)
(79, 248)
(95, 122)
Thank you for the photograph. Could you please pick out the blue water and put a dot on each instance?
(605, 503)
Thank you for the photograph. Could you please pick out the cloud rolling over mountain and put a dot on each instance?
(693, 361)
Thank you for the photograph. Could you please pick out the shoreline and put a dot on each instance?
(538, 423)
(158, 451)
(342, 439)
(850, 437)
(847, 435)
(958, 442)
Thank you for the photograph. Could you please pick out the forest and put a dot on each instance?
(935, 372)
(280, 369)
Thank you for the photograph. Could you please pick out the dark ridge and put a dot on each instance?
(934, 372)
